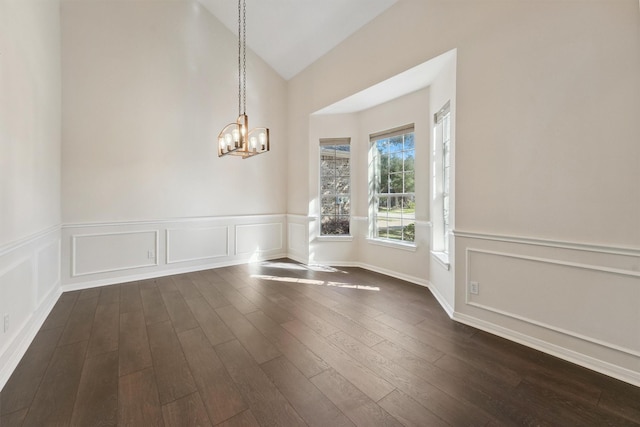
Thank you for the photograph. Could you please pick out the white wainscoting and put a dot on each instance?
(576, 301)
(106, 253)
(298, 237)
(256, 239)
(193, 244)
(29, 287)
(109, 252)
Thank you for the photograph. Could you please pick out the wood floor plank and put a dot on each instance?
(313, 406)
(187, 411)
(311, 320)
(185, 286)
(211, 324)
(409, 412)
(453, 411)
(219, 393)
(106, 328)
(265, 305)
(244, 419)
(343, 323)
(130, 297)
(258, 346)
(498, 405)
(54, 400)
(242, 304)
(210, 293)
(622, 399)
(360, 409)
(352, 369)
(23, 384)
(460, 348)
(80, 322)
(306, 325)
(134, 350)
(562, 410)
(97, 401)
(89, 293)
(426, 351)
(152, 303)
(264, 399)
(181, 317)
(173, 375)
(138, 402)
(109, 294)
(304, 359)
(61, 311)
(14, 419)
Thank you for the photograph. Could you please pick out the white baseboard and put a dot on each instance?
(162, 273)
(19, 346)
(597, 365)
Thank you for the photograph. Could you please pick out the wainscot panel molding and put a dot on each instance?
(98, 254)
(258, 238)
(29, 288)
(575, 301)
(113, 251)
(587, 247)
(196, 243)
(298, 237)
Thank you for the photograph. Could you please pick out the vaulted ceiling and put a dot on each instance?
(291, 34)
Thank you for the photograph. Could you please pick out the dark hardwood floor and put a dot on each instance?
(280, 344)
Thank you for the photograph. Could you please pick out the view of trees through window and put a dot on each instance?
(335, 177)
(394, 187)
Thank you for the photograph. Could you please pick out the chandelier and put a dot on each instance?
(235, 139)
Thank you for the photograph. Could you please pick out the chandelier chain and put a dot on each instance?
(244, 56)
(239, 64)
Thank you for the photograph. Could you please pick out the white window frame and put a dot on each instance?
(441, 169)
(324, 142)
(374, 195)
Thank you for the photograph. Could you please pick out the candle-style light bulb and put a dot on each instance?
(263, 139)
(236, 135)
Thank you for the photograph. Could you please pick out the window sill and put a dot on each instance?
(335, 238)
(442, 258)
(390, 244)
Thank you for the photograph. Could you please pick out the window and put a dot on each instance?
(335, 187)
(392, 185)
(441, 179)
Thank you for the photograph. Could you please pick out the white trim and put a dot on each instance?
(542, 324)
(335, 238)
(19, 346)
(308, 218)
(168, 244)
(587, 247)
(176, 220)
(162, 273)
(441, 258)
(260, 251)
(407, 278)
(15, 244)
(556, 329)
(74, 273)
(551, 261)
(597, 365)
(392, 244)
(442, 300)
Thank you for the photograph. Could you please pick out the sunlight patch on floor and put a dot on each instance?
(315, 282)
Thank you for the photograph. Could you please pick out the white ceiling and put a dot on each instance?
(291, 34)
